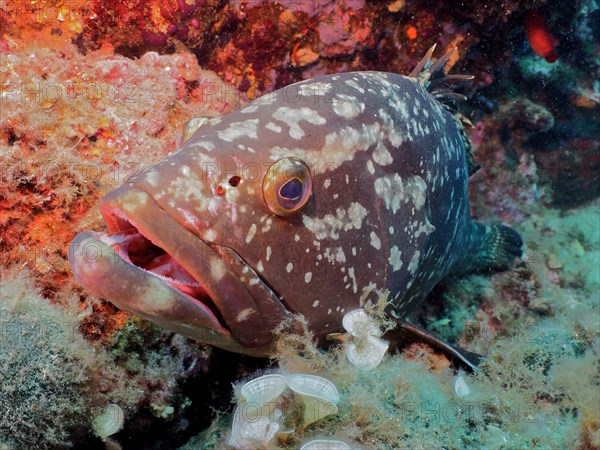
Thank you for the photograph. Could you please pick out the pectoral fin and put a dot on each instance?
(407, 332)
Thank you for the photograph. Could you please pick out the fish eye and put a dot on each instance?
(287, 186)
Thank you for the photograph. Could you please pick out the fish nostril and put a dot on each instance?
(234, 181)
(220, 190)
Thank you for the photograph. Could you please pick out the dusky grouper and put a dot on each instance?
(314, 199)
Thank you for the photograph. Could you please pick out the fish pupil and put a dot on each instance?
(292, 189)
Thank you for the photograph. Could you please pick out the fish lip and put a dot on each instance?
(115, 242)
(129, 206)
(103, 270)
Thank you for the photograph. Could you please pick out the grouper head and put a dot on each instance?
(183, 247)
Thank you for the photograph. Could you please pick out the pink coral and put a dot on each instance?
(74, 126)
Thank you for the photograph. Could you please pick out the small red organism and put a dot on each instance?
(541, 40)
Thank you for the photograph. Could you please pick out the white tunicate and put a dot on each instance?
(368, 353)
(319, 395)
(248, 433)
(263, 389)
(358, 323)
(366, 350)
(461, 388)
(325, 444)
(260, 430)
(108, 422)
(305, 384)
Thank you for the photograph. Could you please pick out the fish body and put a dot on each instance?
(317, 199)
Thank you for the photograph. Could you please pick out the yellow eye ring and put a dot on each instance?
(287, 186)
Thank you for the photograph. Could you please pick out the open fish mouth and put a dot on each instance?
(152, 266)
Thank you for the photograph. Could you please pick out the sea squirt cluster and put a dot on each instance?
(265, 414)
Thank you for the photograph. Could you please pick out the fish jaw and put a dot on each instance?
(98, 266)
(207, 301)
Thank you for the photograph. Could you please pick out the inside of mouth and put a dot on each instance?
(135, 248)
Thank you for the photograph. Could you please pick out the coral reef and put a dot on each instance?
(75, 126)
(303, 38)
(564, 147)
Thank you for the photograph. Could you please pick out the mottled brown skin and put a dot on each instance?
(388, 213)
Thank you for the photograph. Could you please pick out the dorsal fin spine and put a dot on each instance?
(440, 85)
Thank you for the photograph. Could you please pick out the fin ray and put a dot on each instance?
(439, 67)
(423, 64)
(406, 332)
(494, 247)
(433, 77)
(441, 86)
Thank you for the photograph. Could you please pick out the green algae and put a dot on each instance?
(44, 367)
(569, 241)
(538, 387)
(54, 382)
